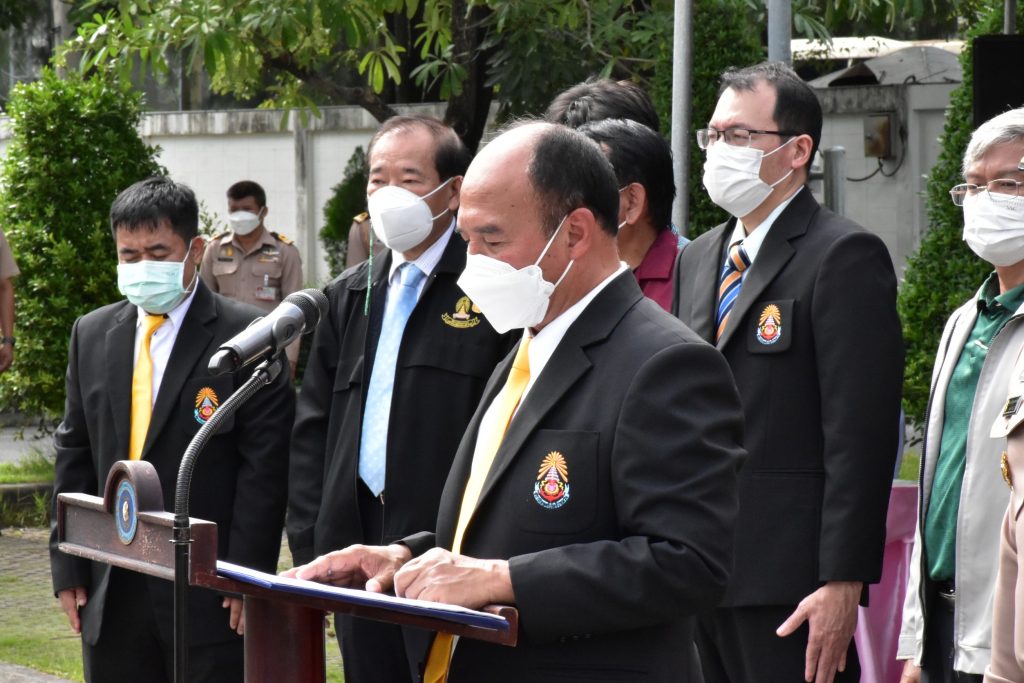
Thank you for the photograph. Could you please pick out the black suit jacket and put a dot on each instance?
(448, 351)
(240, 478)
(647, 419)
(821, 401)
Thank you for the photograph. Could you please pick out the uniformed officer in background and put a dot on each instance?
(8, 270)
(249, 263)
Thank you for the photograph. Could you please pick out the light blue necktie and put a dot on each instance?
(373, 443)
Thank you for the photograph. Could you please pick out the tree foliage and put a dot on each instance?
(466, 52)
(944, 272)
(74, 146)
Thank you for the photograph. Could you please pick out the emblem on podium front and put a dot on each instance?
(126, 511)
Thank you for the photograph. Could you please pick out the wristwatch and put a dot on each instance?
(6, 340)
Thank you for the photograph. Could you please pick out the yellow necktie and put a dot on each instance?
(487, 447)
(142, 388)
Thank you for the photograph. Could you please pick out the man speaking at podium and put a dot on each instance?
(595, 487)
(138, 387)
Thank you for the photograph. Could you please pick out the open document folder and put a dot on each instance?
(437, 610)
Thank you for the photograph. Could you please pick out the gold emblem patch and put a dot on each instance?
(1004, 466)
(463, 317)
(206, 404)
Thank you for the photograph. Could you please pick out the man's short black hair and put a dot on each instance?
(248, 188)
(638, 155)
(796, 106)
(569, 171)
(602, 98)
(451, 157)
(144, 205)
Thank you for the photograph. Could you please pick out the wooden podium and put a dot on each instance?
(284, 631)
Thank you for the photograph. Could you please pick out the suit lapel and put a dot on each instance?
(120, 350)
(189, 345)
(774, 254)
(563, 370)
(704, 300)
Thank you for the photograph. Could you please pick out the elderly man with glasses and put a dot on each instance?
(802, 304)
(947, 618)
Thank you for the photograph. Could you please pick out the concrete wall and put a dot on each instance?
(892, 207)
(298, 163)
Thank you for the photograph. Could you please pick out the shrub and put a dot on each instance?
(721, 39)
(944, 272)
(348, 199)
(74, 146)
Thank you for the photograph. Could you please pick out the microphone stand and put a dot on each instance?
(265, 373)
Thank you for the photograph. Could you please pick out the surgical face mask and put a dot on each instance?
(732, 176)
(153, 286)
(510, 298)
(243, 222)
(401, 219)
(994, 229)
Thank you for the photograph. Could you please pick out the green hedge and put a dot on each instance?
(74, 146)
(722, 38)
(944, 272)
(348, 199)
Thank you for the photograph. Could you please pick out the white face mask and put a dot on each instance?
(400, 218)
(994, 230)
(509, 298)
(732, 176)
(154, 286)
(243, 222)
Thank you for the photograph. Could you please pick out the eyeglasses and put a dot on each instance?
(999, 190)
(738, 137)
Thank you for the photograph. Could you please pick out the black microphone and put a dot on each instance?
(299, 313)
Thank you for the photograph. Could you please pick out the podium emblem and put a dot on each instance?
(126, 511)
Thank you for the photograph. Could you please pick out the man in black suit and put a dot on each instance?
(117, 410)
(595, 486)
(440, 359)
(802, 303)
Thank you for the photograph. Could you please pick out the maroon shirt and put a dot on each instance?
(654, 274)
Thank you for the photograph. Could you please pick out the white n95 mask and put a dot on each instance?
(732, 176)
(994, 230)
(243, 222)
(400, 218)
(510, 298)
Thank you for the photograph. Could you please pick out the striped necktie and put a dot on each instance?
(731, 280)
(505, 405)
(142, 388)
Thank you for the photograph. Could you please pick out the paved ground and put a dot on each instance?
(27, 604)
(18, 441)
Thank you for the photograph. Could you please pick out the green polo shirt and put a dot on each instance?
(994, 310)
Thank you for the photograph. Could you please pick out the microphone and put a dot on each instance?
(298, 314)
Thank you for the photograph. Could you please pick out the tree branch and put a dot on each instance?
(362, 96)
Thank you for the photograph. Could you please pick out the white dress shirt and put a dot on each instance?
(426, 262)
(162, 342)
(752, 242)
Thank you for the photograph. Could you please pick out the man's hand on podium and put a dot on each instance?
(440, 575)
(71, 600)
(371, 567)
(236, 615)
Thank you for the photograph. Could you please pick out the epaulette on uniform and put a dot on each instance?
(282, 238)
(360, 218)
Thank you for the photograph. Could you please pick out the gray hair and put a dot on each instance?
(999, 130)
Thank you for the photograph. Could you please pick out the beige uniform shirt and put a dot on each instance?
(8, 268)
(262, 277)
(1007, 664)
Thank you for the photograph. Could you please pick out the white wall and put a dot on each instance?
(892, 207)
(298, 164)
